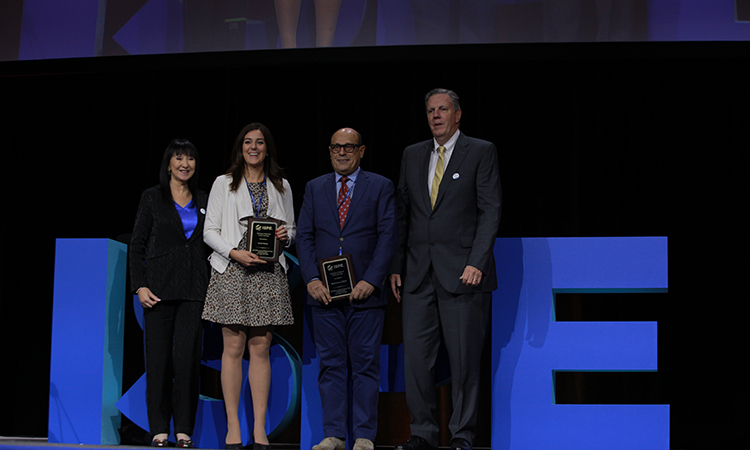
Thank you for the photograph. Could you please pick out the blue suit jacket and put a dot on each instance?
(370, 233)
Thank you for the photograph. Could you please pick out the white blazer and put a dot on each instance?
(223, 229)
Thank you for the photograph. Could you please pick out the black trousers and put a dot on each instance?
(174, 334)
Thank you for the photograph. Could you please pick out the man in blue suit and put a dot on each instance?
(350, 212)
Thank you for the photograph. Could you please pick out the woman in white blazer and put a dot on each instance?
(246, 294)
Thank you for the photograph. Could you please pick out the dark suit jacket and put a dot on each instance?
(370, 233)
(461, 230)
(160, 257)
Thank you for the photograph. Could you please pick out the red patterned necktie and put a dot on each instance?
(344, 200)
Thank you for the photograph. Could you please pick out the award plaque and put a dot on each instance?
(338, 276)
(261, 238)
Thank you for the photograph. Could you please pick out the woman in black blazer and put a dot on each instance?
(169, 272)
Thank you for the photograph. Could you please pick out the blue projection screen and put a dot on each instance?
(85, 28)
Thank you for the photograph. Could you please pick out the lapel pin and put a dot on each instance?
(456, 175)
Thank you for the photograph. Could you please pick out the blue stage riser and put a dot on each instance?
(87, 341)
(529, 345)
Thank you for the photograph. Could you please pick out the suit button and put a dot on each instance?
(341, 239)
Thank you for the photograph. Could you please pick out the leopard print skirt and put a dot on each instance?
(252, 296)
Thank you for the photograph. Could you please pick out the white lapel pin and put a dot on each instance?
(456, 175)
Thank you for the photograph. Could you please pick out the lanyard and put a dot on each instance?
(252, 197)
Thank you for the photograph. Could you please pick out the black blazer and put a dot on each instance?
(160, 257)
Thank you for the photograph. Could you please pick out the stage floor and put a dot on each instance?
(20, 443)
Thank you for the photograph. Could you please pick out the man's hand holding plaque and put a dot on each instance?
(362, 291)
(319, 291)
(264, 238)
(337, 275)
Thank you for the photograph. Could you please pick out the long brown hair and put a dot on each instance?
(273, 171)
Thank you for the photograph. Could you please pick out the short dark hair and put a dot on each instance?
(273, 171)
(453, 96)
(177, 147)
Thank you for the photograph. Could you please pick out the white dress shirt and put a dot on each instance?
(449, 146)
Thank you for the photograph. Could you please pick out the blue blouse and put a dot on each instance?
(189, 217)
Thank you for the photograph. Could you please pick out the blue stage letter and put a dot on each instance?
(529, 345)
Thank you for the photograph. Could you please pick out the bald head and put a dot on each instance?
(343, 161)
(350, 133)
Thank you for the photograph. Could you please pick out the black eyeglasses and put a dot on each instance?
(348, 148)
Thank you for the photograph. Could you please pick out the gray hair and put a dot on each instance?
(453, 96)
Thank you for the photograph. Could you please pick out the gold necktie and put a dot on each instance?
(438, 176)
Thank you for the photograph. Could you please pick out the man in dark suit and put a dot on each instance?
(350, 212)
(448, 200)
